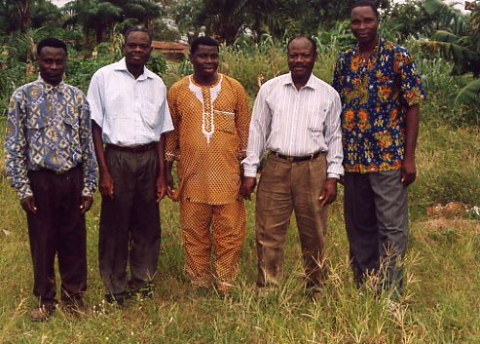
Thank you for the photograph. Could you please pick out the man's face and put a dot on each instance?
(137, 48)
(364, 24)
(301, 58)
(205, 61)
(52, 63)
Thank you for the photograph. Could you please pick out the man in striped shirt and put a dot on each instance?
(296, 118)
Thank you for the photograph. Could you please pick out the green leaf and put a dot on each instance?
(469, 94)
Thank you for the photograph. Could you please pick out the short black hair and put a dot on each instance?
(138, 28)
(308, 38)
(203, 40)
(51, 42)
(366, 3)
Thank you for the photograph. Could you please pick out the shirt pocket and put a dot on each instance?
(316, 121)
(72, 129)
(36, 127)
(71, 119)
(385, 91)
(225, 121)
(151, 114)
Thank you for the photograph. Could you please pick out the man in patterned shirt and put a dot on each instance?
(381, 90)
(210, 115)
(50, 163)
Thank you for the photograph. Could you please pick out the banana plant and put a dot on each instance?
(458, 40)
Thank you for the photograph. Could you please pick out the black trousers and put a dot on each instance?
(58, 228)
(130, 222)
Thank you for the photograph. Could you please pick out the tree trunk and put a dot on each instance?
(24, 14)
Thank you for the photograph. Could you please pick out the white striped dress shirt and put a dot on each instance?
(296, 123)
(130, 111)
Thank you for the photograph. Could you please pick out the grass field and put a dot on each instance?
(441, 303)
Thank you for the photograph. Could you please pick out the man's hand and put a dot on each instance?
(106, 185)
(28, 204)
(248, 185)
(169, 183)
(329, 193)
(161, 187)
(87, 202)
(409, 171)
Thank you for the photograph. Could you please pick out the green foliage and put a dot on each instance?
(79, 72)
(406, 19)
(157, 63)
(469, 92)
(458, 40)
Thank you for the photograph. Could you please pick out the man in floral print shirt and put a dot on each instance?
(381, 89)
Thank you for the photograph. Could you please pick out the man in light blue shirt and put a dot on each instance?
(129, 115)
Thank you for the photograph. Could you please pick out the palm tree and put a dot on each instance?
(143, 10)
(93, 17)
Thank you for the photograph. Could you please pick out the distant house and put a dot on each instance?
(172, 50)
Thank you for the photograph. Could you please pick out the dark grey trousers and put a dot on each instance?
(376, 218)
(58, 229)
(130, 222)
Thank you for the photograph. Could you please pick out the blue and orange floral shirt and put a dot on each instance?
(376, 94)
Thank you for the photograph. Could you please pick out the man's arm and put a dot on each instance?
(172, 143)
(89, 163)
(333, 140)
(242, 121)
(161, 183)
(409, 170)
(258, 133)
(16, 152)
(106, 181)
(413, 93)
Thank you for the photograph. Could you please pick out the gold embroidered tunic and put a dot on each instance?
(208, 147)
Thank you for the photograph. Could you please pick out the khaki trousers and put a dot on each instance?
(228, 232)
(285, 187)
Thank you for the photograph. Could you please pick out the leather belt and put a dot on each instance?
(133, 149)
(297, 158)
(58, 173)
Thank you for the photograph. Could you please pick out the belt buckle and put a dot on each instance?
(312, 156)
(290, 158)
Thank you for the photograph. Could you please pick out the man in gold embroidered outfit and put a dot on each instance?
(211, 119)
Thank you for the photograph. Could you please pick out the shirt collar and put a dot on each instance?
(310, 83)
(122, 65)
(61, 87)
(378, 47)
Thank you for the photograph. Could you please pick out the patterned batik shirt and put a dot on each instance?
(48, 128)
(376, 95)
(210, 138)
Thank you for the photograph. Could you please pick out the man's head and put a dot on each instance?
(137, 47)
(204, 57)
(302, 54)
(52, 60)
(364, 21)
